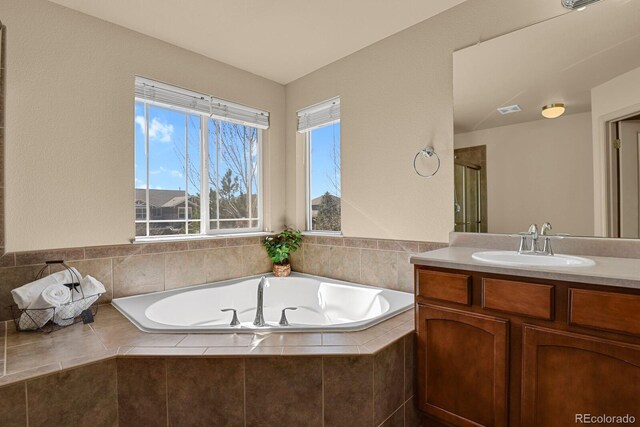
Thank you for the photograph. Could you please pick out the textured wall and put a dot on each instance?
(69, 117)
(397, 97)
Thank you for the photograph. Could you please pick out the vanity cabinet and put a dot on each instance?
(497, 350)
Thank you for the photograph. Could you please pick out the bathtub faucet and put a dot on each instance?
(259, 320)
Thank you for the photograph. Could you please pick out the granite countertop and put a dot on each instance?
(25, 355)
(607, 271)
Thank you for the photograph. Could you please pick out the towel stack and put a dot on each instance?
(48, 298)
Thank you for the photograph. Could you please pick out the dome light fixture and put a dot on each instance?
(553, 111)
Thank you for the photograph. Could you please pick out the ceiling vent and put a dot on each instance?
(509, 109)
(577, 4)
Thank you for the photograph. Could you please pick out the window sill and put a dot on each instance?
(159, 239)
(323, 233)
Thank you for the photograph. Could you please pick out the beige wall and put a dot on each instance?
(69, 117)
(396, 97)
(538, 171)
(617, 98)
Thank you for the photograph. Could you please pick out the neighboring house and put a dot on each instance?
(315, 204)
(164, 205)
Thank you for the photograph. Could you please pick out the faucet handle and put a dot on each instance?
(234, 320)
(283, 317)
(546, 228)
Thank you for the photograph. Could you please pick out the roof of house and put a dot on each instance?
(161, 198)
(318, 200)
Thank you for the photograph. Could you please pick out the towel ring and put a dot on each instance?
(426, 152)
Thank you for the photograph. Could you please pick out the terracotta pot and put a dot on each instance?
(281, 270)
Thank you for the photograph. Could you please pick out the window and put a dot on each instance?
(321, 126)
(186, 142)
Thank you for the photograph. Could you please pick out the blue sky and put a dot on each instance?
(322, 164)
(167, 151)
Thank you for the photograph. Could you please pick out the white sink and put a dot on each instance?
(525, 260)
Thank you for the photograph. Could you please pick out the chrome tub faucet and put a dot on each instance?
(259, 320)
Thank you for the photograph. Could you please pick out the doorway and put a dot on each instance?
(470, 186)
(624, 177)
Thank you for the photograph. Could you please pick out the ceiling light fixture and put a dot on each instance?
(553, 111)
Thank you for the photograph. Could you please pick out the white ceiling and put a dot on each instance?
(281, 40)
(559, 60)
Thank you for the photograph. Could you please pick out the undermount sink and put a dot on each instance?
(527, 260)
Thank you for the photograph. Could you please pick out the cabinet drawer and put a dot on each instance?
(449, 287)
(526, 299)
(605, 310)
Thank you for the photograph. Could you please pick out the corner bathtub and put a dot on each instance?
(323, 305)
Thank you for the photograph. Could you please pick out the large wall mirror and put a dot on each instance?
(580, 170)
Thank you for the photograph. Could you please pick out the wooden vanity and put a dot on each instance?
(503, 350)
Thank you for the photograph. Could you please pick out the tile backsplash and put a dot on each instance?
(133, 269)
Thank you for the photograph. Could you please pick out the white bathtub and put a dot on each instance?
(322, 305)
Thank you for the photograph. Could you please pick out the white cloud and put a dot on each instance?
(158, 131)
(176, 174)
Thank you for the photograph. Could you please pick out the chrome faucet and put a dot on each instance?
(259, 320)
(546, 247)
(534, 249)
(533, 232)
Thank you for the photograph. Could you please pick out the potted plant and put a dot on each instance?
(279, 248)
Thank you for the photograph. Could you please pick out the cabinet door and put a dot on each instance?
(566, 374)
(462, 366)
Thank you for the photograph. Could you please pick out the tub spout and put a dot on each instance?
(259, 320)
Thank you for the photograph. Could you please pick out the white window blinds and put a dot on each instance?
(319, 115)
(160, 93)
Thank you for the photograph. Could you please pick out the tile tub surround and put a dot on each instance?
(150, 267)
(375, 262)
(141, 268)
(361, 379)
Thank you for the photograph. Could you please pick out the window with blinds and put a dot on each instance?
(320, 124)
(197, 163)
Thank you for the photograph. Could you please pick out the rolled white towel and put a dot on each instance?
(25, 295)
(42, 309)
(92, 288)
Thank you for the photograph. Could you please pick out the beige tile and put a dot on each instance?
(138, 274)
(164, 247)
(396, 419)
(405, 273)
(98, 268)
(329, 241)
(320, 350)
(88, 360)
(355, 338)
(286, 339)
(128, 335)
(388, 381)
(205, 391)
(216, 340)
(112, 251)
(283, 391)
(410, 373)
(223, 263)
(13, 405)
(142, 392)
(214, 242)
(47, 351)
(432, 246)
(107, 316)
(184, 269)
(7, 260)
(30, 373)
(380, 268)
(297, 260)
(243, 241)
(333, 261)
(15, 338)
(10, 278)
(165, 351)
(398, 245)
(255, 260)
(243, 351)
(348, 391)
(382, 342)
(39, 257)
(361, 243)
(77, 397)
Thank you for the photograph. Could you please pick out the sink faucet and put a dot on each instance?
(259, 320)
(534, 249)
(533, 232)
(546, 248)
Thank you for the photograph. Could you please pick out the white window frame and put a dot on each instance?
(309, 208)
(205, 222)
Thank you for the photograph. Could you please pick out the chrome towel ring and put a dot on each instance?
(426, 152)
